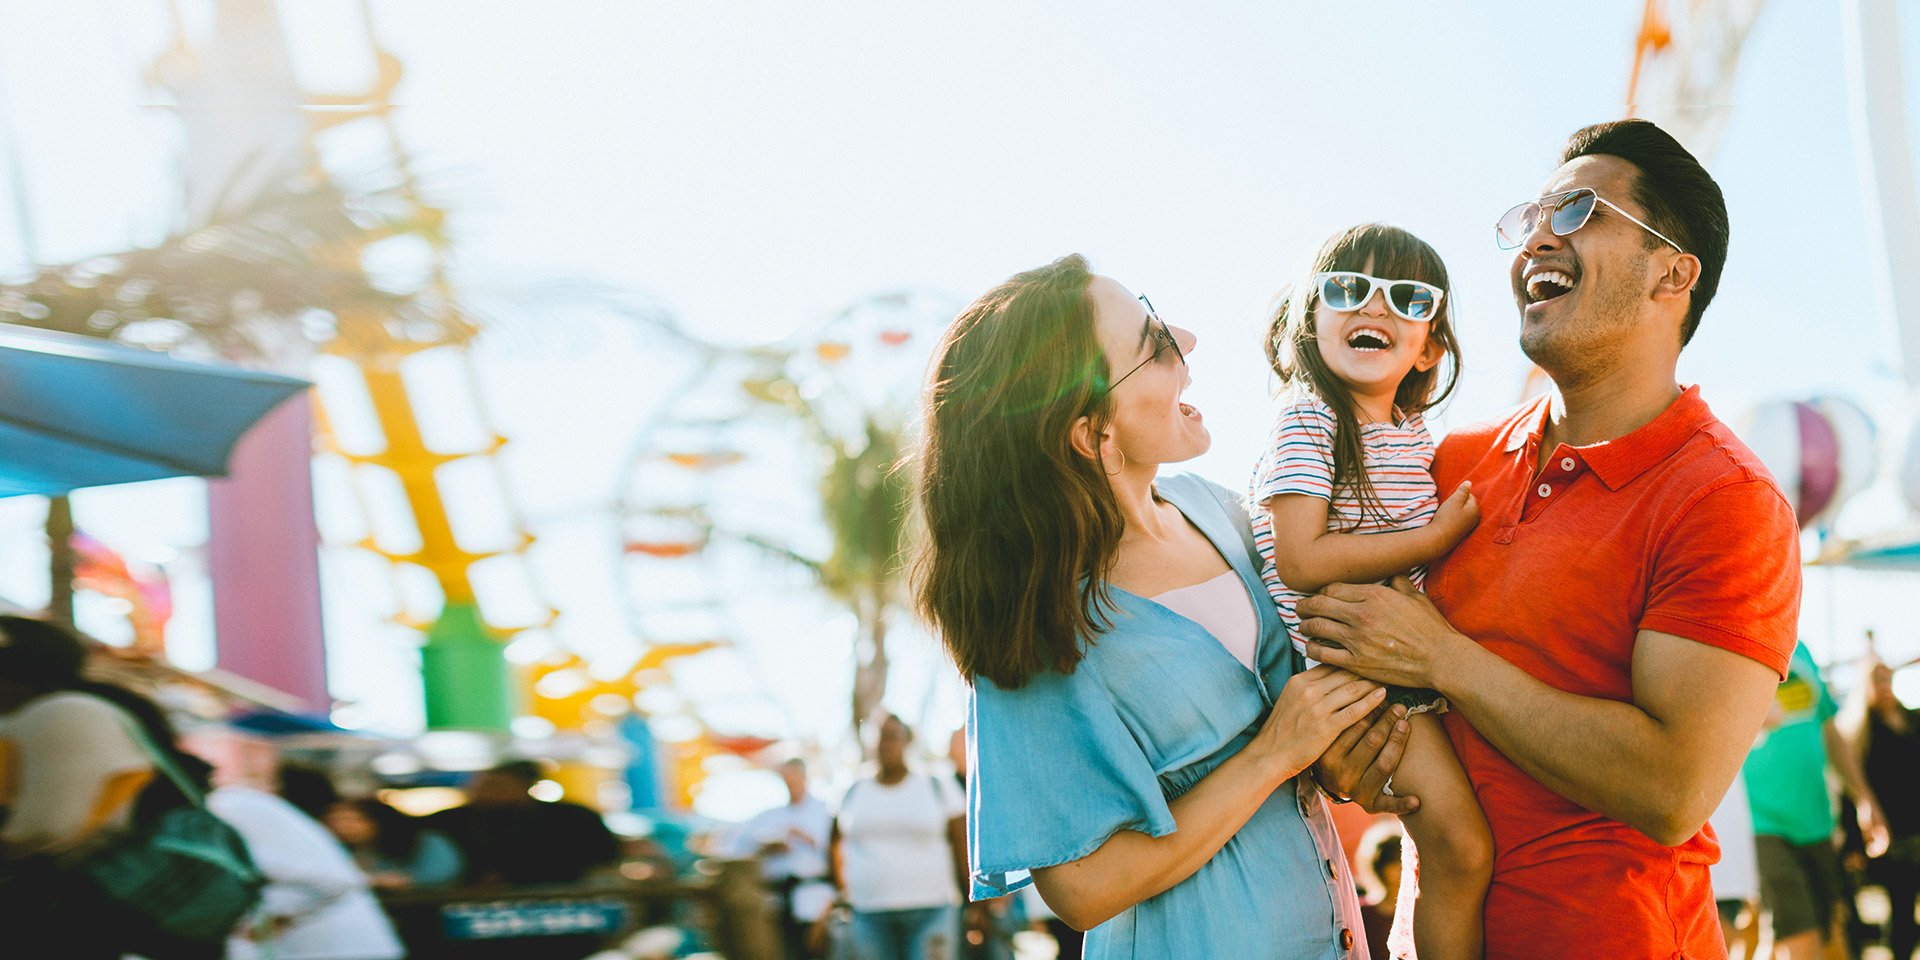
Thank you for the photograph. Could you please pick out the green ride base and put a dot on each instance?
(466, 678)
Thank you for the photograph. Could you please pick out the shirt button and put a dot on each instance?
(1545, 490)
(1346, 939)
(1566, 464)
(1330, 873)
(1305, 809)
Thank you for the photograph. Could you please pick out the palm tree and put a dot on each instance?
(846, 389)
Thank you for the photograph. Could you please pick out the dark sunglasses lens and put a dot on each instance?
(1572, 211)
(1345, 291)
(1513, 228)
(1415, 301)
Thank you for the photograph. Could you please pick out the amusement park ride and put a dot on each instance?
(391, 360)
(1824, 449)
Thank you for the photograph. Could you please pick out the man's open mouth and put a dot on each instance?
(1545, 285)
(1369, 340)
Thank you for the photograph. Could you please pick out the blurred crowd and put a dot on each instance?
(1820, 838)
(1820, 841)
(91, 771)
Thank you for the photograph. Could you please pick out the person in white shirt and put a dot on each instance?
(317, 905)
(790, 842)
(900, 848)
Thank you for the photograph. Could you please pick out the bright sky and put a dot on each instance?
(755, 167)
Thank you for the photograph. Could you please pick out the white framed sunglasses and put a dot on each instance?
(1414, 300)
(1565, 213)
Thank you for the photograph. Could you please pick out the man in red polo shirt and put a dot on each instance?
(1611, 634)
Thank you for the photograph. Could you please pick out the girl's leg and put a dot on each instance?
(1455, 859)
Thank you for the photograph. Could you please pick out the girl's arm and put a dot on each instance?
(1308, 556)
(1313, 708)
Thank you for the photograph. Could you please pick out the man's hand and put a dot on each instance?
(1362, 760)
(1873, 828)
(1387, 634)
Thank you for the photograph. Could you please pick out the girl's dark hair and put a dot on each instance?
(49, 658)
(1295, 357)
(396, 836)
(1020, 530)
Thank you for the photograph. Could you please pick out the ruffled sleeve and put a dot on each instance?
(1055, 773)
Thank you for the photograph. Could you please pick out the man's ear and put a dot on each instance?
(1683, 272)
(1430, 354)
(1085, 443)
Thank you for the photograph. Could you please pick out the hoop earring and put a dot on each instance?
(1123, 463)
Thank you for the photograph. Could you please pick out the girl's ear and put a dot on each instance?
(1085, 443)
(1430, 354)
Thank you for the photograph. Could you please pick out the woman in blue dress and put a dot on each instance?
(1139, 725)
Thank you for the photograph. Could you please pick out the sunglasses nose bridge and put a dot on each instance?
(1539, 229)
(1375, 305)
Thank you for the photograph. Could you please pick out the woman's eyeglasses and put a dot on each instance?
(1565, 213)
(1162, 342)
(1411, 299)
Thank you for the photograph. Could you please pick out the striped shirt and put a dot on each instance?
(1299, 459)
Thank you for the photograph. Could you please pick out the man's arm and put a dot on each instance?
(1846, 763)
(1659, 764)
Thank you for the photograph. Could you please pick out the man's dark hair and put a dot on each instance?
(528, 770)
(309, 789)
(1678, 195)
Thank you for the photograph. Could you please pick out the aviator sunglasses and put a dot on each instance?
(1162, 342)
(1565, 212)
(1410, 299)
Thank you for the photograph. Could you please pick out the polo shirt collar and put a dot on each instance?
(1618, 461)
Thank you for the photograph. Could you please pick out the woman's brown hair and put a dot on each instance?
(1395, 254)
(1019, 531)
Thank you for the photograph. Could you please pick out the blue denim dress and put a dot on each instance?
(1065, 762)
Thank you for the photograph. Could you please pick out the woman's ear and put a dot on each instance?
(1085, 443)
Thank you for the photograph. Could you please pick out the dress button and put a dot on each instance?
(1545, 490)
(1346, 939)
(1566, 464)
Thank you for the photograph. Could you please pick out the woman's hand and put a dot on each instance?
(1314, 707)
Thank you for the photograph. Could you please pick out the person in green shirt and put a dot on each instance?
(1793, 809)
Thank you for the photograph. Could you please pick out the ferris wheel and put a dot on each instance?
(757, 511)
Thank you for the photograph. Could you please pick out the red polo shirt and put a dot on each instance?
(1675, 527)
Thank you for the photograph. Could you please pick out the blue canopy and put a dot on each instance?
(79, 412)
(1893, 556)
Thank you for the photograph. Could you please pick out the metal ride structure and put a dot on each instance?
(375, 340)
(767, 477)
(398, 368)
(464, 675)
(1823, 449)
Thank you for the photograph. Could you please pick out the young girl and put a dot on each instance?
(1347, 498)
